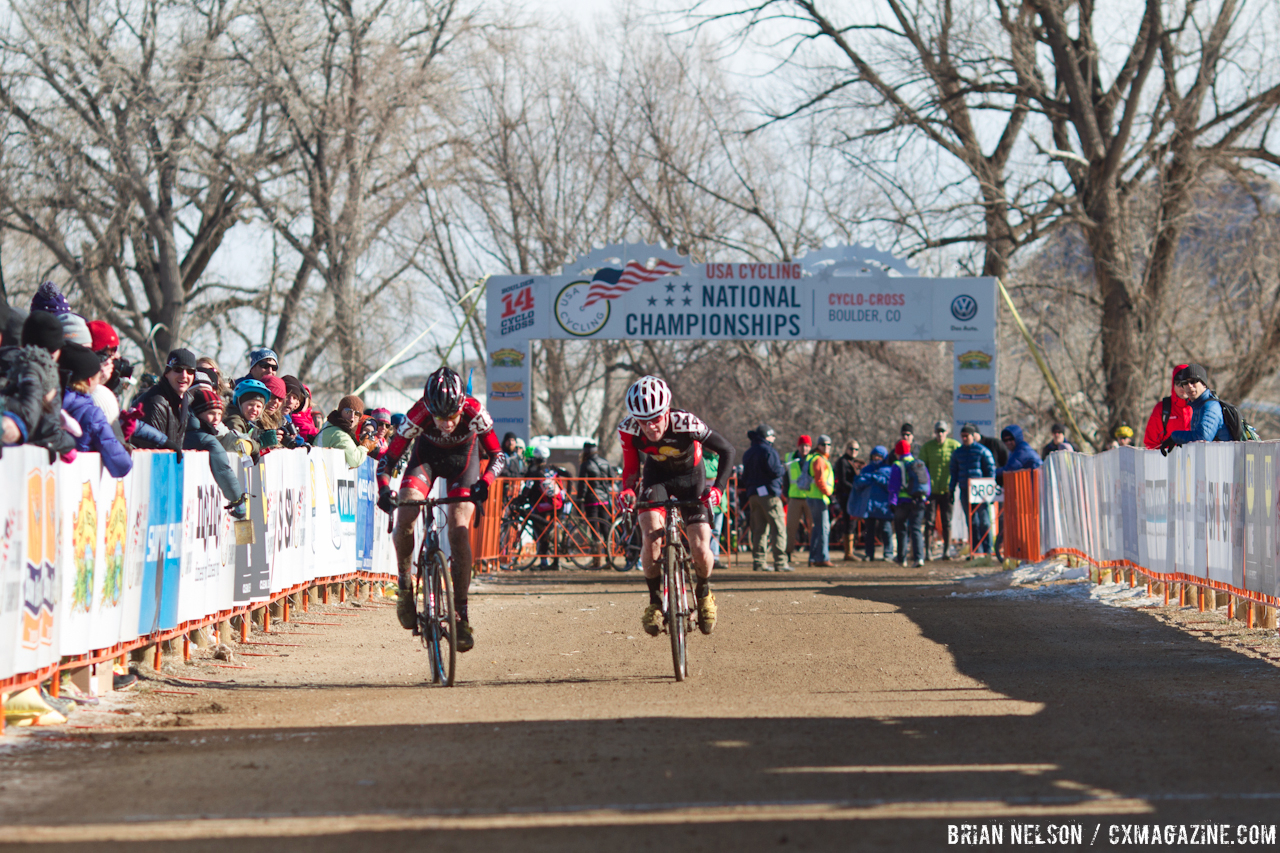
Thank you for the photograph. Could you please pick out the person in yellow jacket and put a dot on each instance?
(797, 506)
(818, 496)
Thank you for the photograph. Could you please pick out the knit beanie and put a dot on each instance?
(79, 361)
(205, 398)
(104, 337)
(76, 329)
(902, 448)
(43, 330)
(293, 385)
(276, 386)
(49, 298)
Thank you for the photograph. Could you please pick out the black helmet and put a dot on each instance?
(443, 394)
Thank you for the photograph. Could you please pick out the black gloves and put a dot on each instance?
(480, 492)
(1167, 445)
(386, 499)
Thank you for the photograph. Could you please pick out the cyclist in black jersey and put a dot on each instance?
(670, 444)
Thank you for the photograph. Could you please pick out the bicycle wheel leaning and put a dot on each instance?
(438, 621)
(677, 608)
(624, 544)
(511, 545)
(577, 541)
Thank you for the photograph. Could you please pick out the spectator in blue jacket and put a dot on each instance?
(1192, 384)
(82, 367)
(1022, 456)
(761, 481)
(870, 500)
(970, 460)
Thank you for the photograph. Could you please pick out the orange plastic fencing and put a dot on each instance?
(565, 535)
(1021, 516)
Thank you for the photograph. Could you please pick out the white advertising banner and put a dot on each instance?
(644, 292)
(88, 561)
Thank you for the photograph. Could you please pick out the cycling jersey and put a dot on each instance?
(675, 459)
(453, 456)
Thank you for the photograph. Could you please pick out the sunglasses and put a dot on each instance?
(347, 412)
(185, 371)
(1183, 383)
(271, 367)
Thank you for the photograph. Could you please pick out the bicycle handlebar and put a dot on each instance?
(430, 503)
(641, 506)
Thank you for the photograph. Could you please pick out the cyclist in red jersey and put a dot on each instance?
(671, 443)
(443, 429)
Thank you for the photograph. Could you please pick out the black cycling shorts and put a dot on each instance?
(658, 485)
(460, 466)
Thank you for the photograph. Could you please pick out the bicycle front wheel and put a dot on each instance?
(677, 610)
(438, 620)
(577, 541)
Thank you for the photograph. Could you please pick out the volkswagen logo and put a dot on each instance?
(964, 308)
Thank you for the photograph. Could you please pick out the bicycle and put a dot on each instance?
(679, 613)
(571, 537)
(437, 622)
(624, 543)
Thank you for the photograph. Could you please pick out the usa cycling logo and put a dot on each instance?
(964, 308)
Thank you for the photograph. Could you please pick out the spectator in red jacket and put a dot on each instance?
(1169, 414)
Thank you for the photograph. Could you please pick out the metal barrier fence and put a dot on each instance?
(1202, 522)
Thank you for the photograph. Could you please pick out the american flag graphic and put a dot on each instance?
(610, 283)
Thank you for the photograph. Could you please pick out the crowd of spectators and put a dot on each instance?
(67, 388)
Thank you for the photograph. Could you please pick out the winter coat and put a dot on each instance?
(936, 456)
(761, 466)
(594, 492)
(166, 411)
(26, 375)
(870, 495)
(967, 462)
(305, 424)
(1179, 417)
(95, 433)
(335, 436)
(1023, 457)
(846, 468)
(1206, 421)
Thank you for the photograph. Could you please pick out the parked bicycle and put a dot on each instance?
(568, 535)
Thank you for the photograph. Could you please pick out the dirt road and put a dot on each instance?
(858, 708)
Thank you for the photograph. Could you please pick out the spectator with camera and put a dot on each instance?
(344, 430)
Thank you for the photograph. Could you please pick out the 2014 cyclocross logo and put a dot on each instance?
(575, 315)
(964, 308)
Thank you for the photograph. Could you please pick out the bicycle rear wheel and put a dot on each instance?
(437, 619)
(677, 610)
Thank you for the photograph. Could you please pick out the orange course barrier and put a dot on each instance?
(1021, 521)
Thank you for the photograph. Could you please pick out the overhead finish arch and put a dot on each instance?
(637, 291)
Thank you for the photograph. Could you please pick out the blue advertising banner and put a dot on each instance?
(365, 495)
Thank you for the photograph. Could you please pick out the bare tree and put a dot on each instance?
(353, 95)
(110, 113)
(1030, 117)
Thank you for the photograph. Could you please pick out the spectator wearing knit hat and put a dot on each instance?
(33, 389)
(273, 414)
(205, 431)
(343, 429)
(28, 374)
(247, 405)
(263, 361)
(83, 369)
(164, 406)
(298, 407)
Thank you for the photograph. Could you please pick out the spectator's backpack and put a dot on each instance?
(918, 479)
(1236, 425)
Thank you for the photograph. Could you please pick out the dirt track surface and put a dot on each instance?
(863, 707)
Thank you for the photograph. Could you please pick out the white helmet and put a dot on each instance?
(648, 398)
